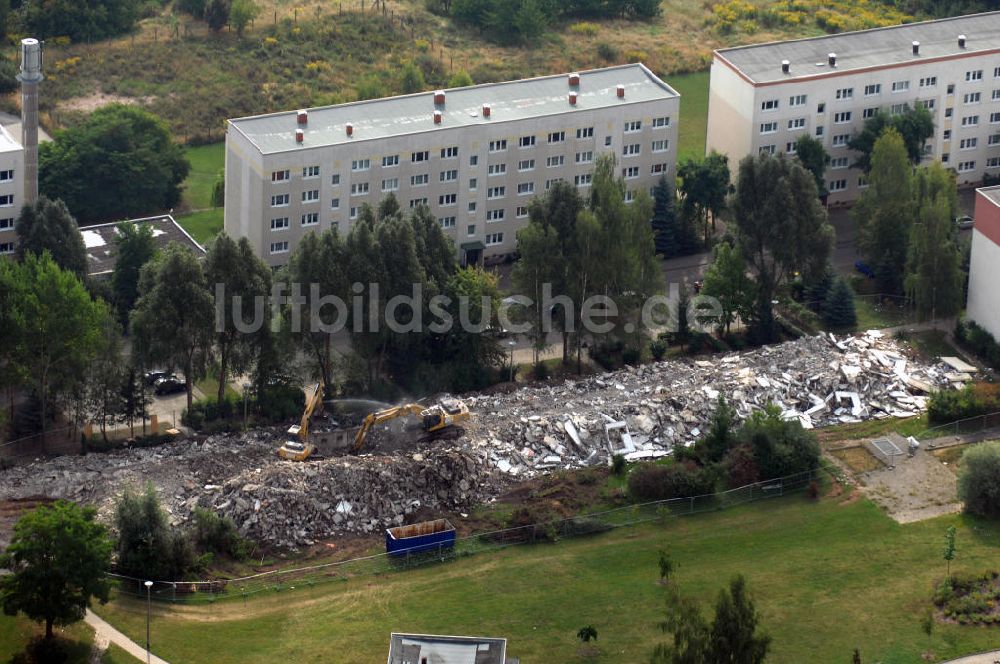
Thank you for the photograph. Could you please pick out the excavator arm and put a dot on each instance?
(382, 416)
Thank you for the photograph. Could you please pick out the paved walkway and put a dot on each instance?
(982, 658)
(105, 633)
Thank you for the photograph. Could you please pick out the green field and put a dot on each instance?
(693, 124)
(204, 225)
(827, 576)
(16, 632)
(207, 162)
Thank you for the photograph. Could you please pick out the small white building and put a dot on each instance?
(11, 189)
(984, 270)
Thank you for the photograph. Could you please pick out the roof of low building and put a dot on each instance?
(99, 240)
(991, 193)
(409, 114)
(7, 141)
(879, 47)
(412, 648)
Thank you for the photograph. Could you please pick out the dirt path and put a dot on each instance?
(105, 633)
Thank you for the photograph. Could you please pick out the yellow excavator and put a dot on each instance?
(436, 420)
(298, 447)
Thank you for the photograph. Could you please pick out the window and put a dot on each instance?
(948, 112)
(607, 141)
(390, 160)
(629, 195)
(840, 140)
(967, 143)
(944, 158)
(996, 95)
(585, 157)
(449, 153)
(768, 127)
(474, 160)
(279, 176)
(496, 169)
(951, 88)
(310, 219)
(279, 247)
(335, 204)
(335, 179)
(662, 167)
(359, 189)
(630, 173)
(633, 126)
(819, 130)
(873, 89)
(996, 72)
(632, 149)
(974, 75)
(521, 212)
(897, 109)
(839, 162)
(842, 117)
(971, 120)
(557, 136)
(994, 139)
(926, 103)
(966, 166)
(862, 182)
(417, 157)
(554, 162)
(361, 164)
(353, 213)
(526, 141)
(6, 224)
(279, 200)
(845, 93)
(994, 118)
(310, 196)
(496, 192)
(790, 148)
(585, 132)
(498, 145)
(929, 82)
(449, 176)
(472, 207)
(6, 248)
(583, 180)
(900, 86)
(525, 188)
(821, 107)
(447, 222)
(797, 123)
(470, 229)
(661, 146)
(993, 162)
(837, 185)
(549, 183)
(279, 224)
(659, 123)
(417, 202)
(797, 100)
(869, 112)
(526, 165)
(766, 149)
(446, 200)
(419, 180)
(493, 239)
(946, 135)
(769, 105)
(494, 215)
(473, 184)
(972, 97)
(391, 184)
(310, 172)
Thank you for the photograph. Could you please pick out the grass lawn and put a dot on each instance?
(904, 426)
(873, 315)
(932, 343)
(204, 225)
(693, 123)
(207, 161)
(16, 632)
(827, 576)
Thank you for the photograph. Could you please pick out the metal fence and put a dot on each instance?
(959, 427)
(579, 526)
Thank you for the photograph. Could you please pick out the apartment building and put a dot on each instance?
(763, 97)
(984, 268)
(11, 189)
(475, 156)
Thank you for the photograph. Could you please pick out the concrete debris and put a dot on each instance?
(641, 412)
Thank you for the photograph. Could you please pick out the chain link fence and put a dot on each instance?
(966, 426)
(277, 581)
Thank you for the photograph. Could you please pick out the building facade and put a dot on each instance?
(983, 306)
(475, 156)
(763, 97)
(11, 189)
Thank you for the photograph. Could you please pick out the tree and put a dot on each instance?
(411, 78)
(949, 546)
(666, 565)
(148, 548)
(914, 127)
(473, 355)
(733, 636)
(134, 247)
(856, 659)
(172, 321)
(48, 226)
(242, 13)
(587, 634)
(934, 279)
(217, 14)
(119, 162)
(13, 290)
(726, 280)
(688, 631)
(80, 21)
(838, 307)
(814, 158)
(530, 21)
(884, 212)
(704, 185)
(979, 480)
(195, 8)
(104, 379)
(460, 79)
(780, 228)
(720, 432)
(57, 559)
(780, 447)
(665, 230)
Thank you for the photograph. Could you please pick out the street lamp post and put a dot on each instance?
(149, 587)
(511, 345)
(246, 390)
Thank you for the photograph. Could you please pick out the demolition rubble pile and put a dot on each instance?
(641, 412)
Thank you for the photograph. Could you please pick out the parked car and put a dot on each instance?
(169, 385)
(864, 269)
(964, 222)
(155, 375)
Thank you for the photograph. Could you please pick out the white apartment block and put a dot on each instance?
(763, 97)
(476, 156)
(11, 190)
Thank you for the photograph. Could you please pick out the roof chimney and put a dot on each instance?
(303, 117)
(572, 99)
(439, 98)
(785, 66)
(300, 136)
(486, 110)
(437, 117)
(350, 129)
(961, 41)
(574, 79)
(916, 48)
(832, 59)
(620, 91)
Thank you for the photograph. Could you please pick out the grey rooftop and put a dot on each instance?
(99, 241)
(867, 48)
(991, 193)
(411, 114)
(419, 648)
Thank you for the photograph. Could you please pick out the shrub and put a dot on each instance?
(973, 337)
(279, 401)
(635, 56)
(585, 28)
(148, 547)
(653, 482)
(217, 535)
(779, 447)
(618, 465)
(607, 52)
(979, 480)
(739, 467)
(540, 371)
(658, 349)
(950, 405)
(632, 356)
(209, 410)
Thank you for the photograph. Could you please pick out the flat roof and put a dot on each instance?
(7, 141)
(410, 114)
(99, 240)
(878, 47)
(992, 194)
(412, 648)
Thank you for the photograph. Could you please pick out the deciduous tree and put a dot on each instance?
(134, 247)
(914, 126)
(704, 185)
(933, 264)
(48, 226)
(727, 281)
(814, 158)
(241, 14)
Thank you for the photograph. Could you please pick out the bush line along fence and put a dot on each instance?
(578, 526)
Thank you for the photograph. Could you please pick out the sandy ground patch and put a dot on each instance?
(94, 101)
